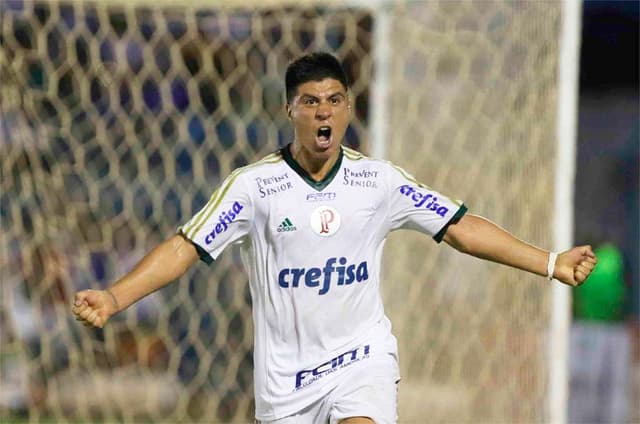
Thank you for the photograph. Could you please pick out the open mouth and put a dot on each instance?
(324, 135)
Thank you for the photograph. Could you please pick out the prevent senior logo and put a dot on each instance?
(360, 178)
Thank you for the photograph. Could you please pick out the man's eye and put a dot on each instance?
(309, 101)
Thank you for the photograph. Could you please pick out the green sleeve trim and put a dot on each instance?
(438, 237)
(202, 254)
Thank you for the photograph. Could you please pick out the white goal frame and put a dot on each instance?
(568, 73)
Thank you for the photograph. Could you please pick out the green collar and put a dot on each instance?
(318, 185)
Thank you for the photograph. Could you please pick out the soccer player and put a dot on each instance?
(312, 219)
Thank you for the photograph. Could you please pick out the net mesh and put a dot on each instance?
(473, 100)
(119, 120)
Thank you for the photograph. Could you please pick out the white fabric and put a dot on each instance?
(367, 389)
(313, 259)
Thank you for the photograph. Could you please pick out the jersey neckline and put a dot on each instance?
(317, 185)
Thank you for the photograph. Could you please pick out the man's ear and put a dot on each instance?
(287, 108)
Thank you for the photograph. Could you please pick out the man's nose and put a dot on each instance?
(323, 111)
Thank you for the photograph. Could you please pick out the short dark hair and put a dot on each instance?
(312, 67)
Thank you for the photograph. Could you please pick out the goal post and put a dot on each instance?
(119, 118)
(565, 171)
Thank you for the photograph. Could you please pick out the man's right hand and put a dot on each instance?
(166, 262)
(94, 307)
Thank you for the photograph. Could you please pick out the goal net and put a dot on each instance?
(119, 118)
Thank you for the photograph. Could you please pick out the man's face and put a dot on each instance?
(320, 113)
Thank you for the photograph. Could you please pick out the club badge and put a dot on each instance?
(325, 221)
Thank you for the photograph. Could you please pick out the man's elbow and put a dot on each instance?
(458, 235)
(183, 252)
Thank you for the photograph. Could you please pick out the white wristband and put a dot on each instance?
(551, 265)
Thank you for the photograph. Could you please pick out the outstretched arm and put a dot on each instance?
(479, 237)
(165, 263)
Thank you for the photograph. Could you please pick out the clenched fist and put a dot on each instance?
(575, 265)
(94, 307)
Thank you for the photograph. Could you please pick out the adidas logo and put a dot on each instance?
(286, 225)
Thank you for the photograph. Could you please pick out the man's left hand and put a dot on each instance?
(575, 265)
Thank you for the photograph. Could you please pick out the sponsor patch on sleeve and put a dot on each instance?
(424, 200)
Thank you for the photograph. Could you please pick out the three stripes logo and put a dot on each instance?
(286, 225)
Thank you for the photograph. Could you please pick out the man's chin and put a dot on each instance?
(322, 149)
(328, 147)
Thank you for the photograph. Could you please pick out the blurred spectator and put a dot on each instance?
(600, 344)
(39, 298)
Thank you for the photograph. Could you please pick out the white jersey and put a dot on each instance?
(313, 253)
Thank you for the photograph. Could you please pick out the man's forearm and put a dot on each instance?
(481, 238)
(162, 265)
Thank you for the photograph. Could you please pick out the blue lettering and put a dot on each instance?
(281, 281)
(311, 277)
(428, 200)
(224, 219)
(322, 277)
(327, 271)
(343, 261)
(300, 376)
(423, 200)
(350, 274)
(362, 273)
(442, 211)
(297, 273)
(340, 361)
(318, 370)
(354, 354)
(406, 190)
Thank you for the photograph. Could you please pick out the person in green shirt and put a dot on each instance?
(603, 299)
(600, 344)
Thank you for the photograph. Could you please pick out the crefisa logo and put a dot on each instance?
(428, 200)
(345, 273)
(224, 219)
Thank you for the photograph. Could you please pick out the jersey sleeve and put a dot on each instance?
(225, 218)
(415, 206)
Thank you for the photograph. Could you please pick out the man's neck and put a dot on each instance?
(316, 166)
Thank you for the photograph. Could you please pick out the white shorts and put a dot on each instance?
(367, 389)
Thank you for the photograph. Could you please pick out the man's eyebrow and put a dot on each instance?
(337, 93)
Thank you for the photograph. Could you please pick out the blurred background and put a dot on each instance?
(605, 335)
(118, 120)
